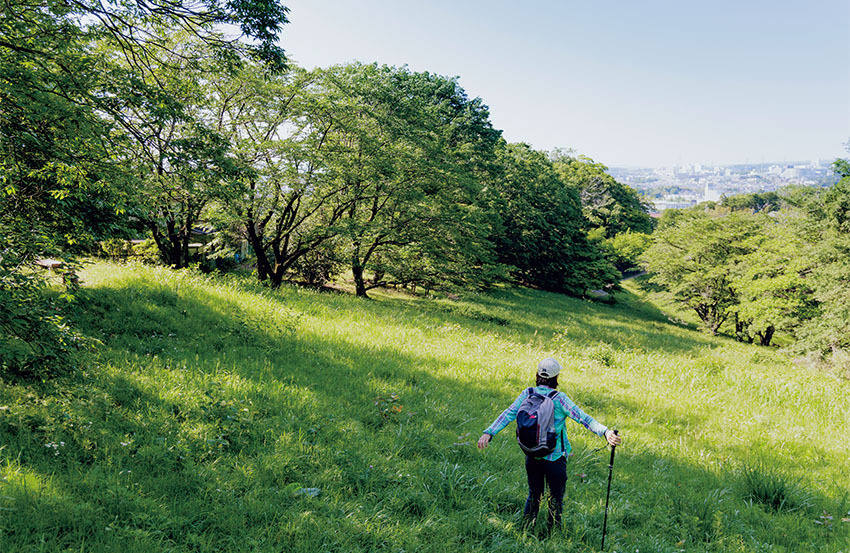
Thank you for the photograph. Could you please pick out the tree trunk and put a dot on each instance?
(264, 269)
(767, 336)
(740, 331)
(359, 283)
(184, 246)
(174, 246)
(276, 276)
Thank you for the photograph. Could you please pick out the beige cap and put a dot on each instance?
(548, 368)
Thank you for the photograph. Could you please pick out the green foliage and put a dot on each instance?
(625, 249)
(771, 283)
(692, 257)
(740, 268)
(275, 128)
(841, 167)
(756, 202)
(827, 330)
(36, 339)
(180, 164)
(542, 230)
(146, 251)
(378, 164)
(116, 248)
(160, 122)
(405, 152)
(784, 273)
(319, 265)
(72, 76)
(605, 202)
(53, 163)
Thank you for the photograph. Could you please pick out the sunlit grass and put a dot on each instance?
(215, 409)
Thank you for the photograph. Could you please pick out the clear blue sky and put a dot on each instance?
(643, 83)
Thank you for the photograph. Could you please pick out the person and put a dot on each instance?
(552, 468)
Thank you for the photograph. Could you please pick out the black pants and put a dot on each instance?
(554, 474)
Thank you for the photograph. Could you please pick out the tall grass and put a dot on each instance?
(221, 416)
(771, 488)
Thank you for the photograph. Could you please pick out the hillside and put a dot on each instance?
(217, 415)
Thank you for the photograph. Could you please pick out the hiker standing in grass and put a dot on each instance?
(546, 462)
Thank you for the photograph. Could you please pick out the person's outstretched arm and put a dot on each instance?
(574, 412)
(507, 416)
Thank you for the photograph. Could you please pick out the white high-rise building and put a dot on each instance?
(710, 194)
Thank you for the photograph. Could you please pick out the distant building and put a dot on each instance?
(710, 194)
(791, 173)
(661, 205)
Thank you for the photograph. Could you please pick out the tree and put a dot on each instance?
(179, 163)
(404, 149)
(58, 189)
(771, 281)
(826, 229)
(278, 126)
(62, 186)
(542, 235)
(54, 164)
(625, 249)
(693, 257)
(605, 202)
(56, 86)
(135, 27)
(757, 202)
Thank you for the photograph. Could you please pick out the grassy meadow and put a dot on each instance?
(218, 415)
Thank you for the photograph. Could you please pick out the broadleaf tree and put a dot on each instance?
(396, 150)
(542, 233)
(693, 257)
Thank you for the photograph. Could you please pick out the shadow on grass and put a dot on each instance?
(260, 412)
(629, 324)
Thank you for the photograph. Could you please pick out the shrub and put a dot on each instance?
(602, 353)
(317, 267)
(116, 248)
(625, 249)
(147, 251)
(35, 341)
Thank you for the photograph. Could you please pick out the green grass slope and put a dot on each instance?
(220, 416)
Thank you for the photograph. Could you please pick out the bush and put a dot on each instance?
(317, 266)
(601, 353)
(116, 248)
(146, 251)
(35, 341)
(625, 249)
(121, 249)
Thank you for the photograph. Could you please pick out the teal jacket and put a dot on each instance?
(564, 407)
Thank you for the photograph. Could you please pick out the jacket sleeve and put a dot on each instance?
(572, 410)
(507, 416)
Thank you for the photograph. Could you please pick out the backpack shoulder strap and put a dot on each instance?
(530, 391)
(551, 395)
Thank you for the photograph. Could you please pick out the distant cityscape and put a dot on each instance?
(683, 186)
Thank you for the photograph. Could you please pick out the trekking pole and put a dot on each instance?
(607, 495)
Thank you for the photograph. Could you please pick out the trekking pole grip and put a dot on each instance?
(613, 447)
